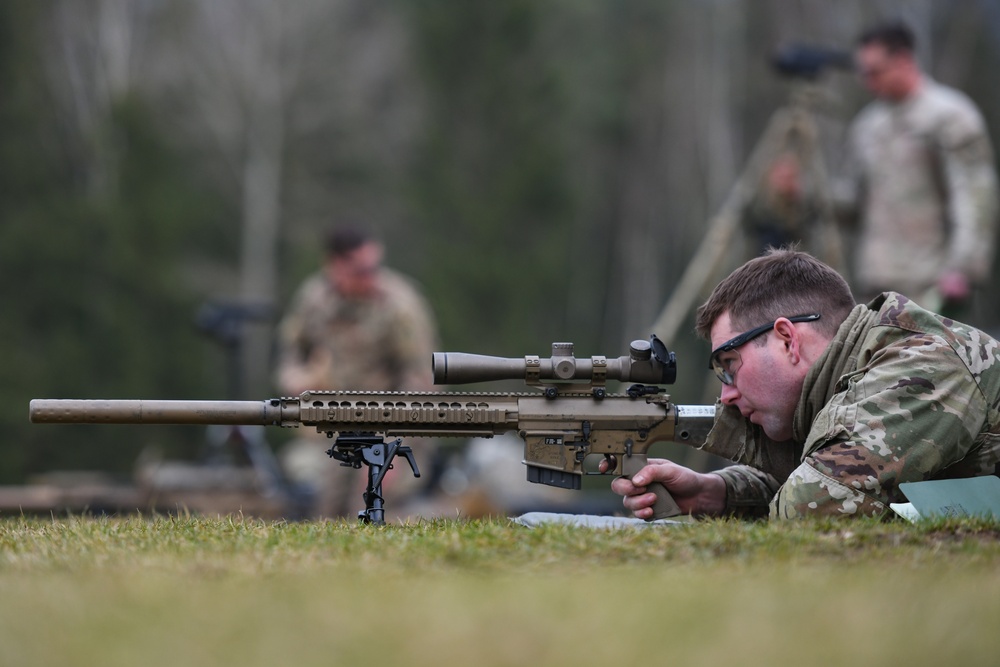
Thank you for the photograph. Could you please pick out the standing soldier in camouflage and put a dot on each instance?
(353, 325)
(922, 180)
(827, 406)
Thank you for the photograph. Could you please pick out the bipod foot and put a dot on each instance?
(376, 517)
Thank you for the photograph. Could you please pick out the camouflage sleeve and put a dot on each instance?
(293, 371)
(289, 333)
(414, 338)
(908, 414)
(748, 490)
(966, 159)
(733, 437)
(752, 483)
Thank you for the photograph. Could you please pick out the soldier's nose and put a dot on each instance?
(729, 394)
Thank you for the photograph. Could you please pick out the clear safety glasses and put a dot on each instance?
(725, 360)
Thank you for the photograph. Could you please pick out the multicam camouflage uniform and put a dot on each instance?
(899, 395)
(379, 344)
(923, 179)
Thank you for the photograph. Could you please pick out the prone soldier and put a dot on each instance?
(827, 406)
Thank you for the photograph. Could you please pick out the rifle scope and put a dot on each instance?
(647, 362)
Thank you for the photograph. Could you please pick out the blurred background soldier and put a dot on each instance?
(922, 180)
(780, 213)
(355, 324)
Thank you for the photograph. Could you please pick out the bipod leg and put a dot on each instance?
(378, 457)
(374, 511)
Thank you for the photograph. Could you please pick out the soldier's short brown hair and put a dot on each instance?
(347, 237)
(894, 35)
(783, 282)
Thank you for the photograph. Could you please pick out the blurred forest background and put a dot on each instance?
(544, 169)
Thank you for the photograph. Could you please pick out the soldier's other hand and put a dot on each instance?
(783, 178)
(293, 381)
(954, 286)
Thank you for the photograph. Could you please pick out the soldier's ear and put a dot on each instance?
(785, 331)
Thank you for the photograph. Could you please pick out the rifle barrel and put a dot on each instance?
(138, 411)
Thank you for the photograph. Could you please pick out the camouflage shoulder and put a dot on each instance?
(312, 290)
(951, 114)
(976, 349)
(404, 291)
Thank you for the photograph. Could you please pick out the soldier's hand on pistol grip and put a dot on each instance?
(695, 493)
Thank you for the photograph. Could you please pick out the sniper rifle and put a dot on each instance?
(568, 427)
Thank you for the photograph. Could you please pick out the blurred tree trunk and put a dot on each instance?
(270, 89)
(265, 114)
(240, 63)
(91, 68)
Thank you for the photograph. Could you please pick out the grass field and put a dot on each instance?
(193, 591)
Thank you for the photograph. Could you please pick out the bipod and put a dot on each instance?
(357, 449)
